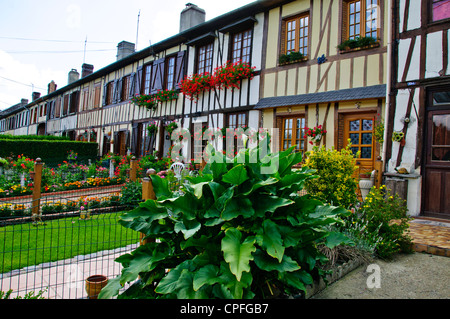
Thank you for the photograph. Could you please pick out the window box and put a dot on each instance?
(358, 44)
(150, 101)
(291, 58)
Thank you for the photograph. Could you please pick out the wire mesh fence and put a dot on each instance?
(51, 244)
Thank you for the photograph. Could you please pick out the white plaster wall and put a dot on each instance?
(409, 151)
(414, 15)
(413, 71)
(414, 19)
(413, 200)
(434, 55)
(258, 32)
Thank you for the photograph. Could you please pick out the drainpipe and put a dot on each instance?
(388, 79)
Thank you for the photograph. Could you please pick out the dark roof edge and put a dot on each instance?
(368, 92)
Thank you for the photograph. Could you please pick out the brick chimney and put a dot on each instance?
(35, 96)
(51, 87)
(191, 16)
(86, 69)
(125, 49)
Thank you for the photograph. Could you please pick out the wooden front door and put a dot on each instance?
(436, 186)
(359, 129)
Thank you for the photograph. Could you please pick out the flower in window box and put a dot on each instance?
(165, 95)
(358, 43)
(291, 57)
(196, 84)
(148, 101)
(230, 74)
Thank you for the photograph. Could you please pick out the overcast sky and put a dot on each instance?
(41, 41)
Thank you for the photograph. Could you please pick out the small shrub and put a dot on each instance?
(131, 194)
(335, 184)
(387, 214)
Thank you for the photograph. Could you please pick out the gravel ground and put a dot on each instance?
(407, 276)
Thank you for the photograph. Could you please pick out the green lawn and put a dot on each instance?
(26, 245)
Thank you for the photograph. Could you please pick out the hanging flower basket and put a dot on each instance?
(152, 128)
(315, 134)
(172, 126)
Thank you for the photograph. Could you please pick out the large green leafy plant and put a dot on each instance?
(239, 230)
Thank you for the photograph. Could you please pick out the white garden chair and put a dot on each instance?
(177, 168)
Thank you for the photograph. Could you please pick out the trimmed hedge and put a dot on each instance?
(34, 137)
(52, 152)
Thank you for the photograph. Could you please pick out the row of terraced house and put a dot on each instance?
(347, 65)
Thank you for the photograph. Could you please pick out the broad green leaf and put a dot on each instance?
(336, 238)
(219, 205)
(142, 218)
(272, 241)
(322, 211)
(207, 275)
(292, 179)
(237, 206)
(236, 176)
(169, 284)
(237, 253)
(262, 183)
(186, 204)
(264, 204)
(198, 189)
(297, 279)
(143, 260)
(111, 289)
(216, 189)
(187, 227)
(234, 288)
(185, 287)
(268, 263)
(160, 187)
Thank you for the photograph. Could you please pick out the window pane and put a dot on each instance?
(367, 125)
(354, 138)
(440, 9)
(441, 98)
(366, 152)
(366, 138)
(354, 125)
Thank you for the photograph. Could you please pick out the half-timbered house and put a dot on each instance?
(324, 63)
(418, 138)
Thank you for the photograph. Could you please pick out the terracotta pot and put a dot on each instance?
(94, 285)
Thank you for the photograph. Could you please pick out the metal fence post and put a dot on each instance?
(133, 171)
(36, 203)
(147, 193)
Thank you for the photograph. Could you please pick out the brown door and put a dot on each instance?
(358, 129)
(436, 186)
